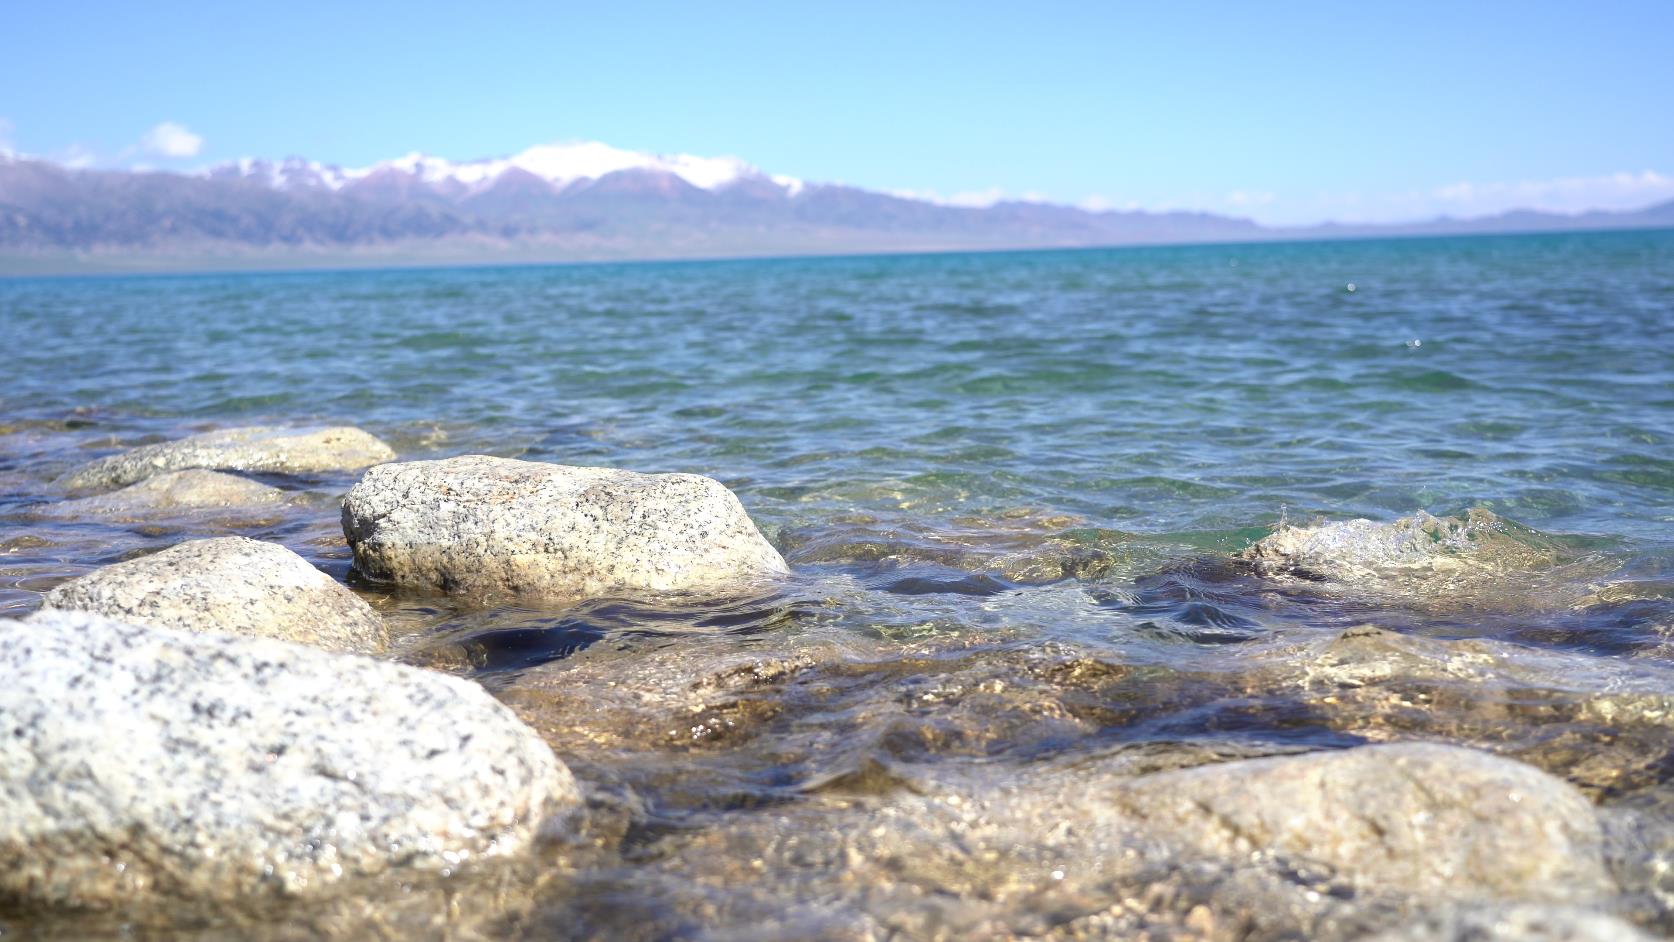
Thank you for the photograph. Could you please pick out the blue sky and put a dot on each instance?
(1287, 112)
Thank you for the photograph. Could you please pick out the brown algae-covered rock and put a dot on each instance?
(485, 526)
(257, 448)
(231, 585)
(145, 764)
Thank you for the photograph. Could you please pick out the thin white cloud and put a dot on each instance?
(1246, 199)
(170, 139)
(1461, 199)
(1622, 190)
(77, 157)
(1468, 199)
(972, 199)
(1237, 201)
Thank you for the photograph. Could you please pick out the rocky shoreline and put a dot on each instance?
(221, 722)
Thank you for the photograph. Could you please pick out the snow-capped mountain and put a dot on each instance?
(559, 202)
(561, 166)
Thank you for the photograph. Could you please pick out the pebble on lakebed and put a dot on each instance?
(256, 448)
(229, 585)
(483, 526)
(142, 764)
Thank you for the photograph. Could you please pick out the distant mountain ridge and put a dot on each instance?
(566, 202)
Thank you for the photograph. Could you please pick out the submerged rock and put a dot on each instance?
(194, 489)
(141, 763)
(257, 448)
(1420, 817)
(1514, 924)
(1601, 723)
(996, 850)
(1479, 559)
(486, 526)
(231, 585)
(1358, 548)
(1020, 546)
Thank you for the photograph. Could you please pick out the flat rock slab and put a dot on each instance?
(230, 585)
(257, 448)
(139, 763)
(1421, 818)
(485, 526)
(173, 492)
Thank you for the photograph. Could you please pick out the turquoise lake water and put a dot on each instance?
(1062, 447)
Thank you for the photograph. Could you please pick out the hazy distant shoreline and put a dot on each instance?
(245, 260)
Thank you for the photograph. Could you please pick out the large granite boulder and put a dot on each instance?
(1422, 818)
(231, 585)
(192, 491)
(258, 448)
(485, 526)
(140, 763)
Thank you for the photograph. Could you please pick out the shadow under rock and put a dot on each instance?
(496, 643)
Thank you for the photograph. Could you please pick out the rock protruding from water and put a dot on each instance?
(231, 585)
(173, 492)
(1427, 560)
(484, 526)
(140, 763)
(1352, 548)
(258, 448)
(1417, 817)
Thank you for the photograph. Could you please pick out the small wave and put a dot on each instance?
(1423, 381)
(1018, 547)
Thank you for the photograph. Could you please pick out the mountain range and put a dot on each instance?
(565, 202)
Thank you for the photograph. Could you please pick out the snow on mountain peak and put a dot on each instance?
(565, 163)
(558, 164)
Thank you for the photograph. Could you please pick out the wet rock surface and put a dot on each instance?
(756, 768)
(1476, 558)
(230, 585)
(257, 448)
(995, 785)
(495, 527)
(142, 764)
(173, 492)
(1423, 818)
(1515, 924)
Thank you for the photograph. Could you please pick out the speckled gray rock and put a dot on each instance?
(1418, 817)
(143, 763)
(258, 448)
(231, 585)
(173, 492)
(485, 526)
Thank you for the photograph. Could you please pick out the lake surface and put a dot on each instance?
(983, 467)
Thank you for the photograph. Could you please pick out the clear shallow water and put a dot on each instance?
(1013, 487)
